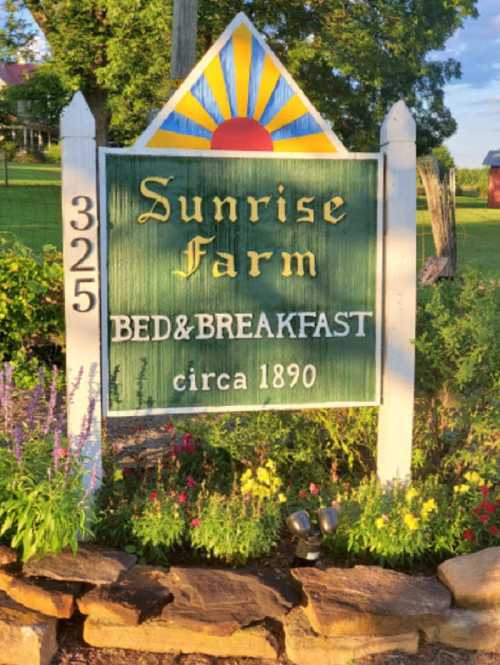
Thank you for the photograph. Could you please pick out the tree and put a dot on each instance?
(16, 34)
(44, 93)
(444, 159)
(353, 58)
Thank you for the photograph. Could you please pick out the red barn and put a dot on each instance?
(492, 159)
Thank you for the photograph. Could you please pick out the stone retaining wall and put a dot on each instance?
(324, 615)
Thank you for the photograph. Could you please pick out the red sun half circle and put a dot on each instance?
(241, 134)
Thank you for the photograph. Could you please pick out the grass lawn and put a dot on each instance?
(30, 210)
(30, 207)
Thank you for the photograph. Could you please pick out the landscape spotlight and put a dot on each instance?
(328, 520)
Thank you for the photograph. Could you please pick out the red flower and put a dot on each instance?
(187, 439)
(484, 518)
(62, 452)
(153, 496)
(494, 530)
(170, 427)
(190, 482)
(468, 534)
(477, 509)
(488, 506)
(303, 494)
(195, 522)
(484, 490)
(314, 489)
(182, 497)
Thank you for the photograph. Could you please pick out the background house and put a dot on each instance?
(492, 160)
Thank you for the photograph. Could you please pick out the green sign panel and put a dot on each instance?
(240, 283)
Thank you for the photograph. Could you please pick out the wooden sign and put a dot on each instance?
(248, 260)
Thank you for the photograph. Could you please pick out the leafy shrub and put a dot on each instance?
(473, 178)
(44, 507)
(160, 521)
(33, 156)
(53, 153)
(7, 150)
(426, 520)
(31, 308)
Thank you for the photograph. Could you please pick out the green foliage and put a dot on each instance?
(473, 179)
(160, 521)
(43, 93)
(353, 59)
(31, 307)
(16, 33)
(7, 150)
(53, 153)
(425, 521)
(444, 159)
(43, 513)
(236, 527)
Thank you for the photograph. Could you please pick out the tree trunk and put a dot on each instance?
(97, 100)
(441, 203)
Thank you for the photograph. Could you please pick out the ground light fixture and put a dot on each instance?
(309, 539)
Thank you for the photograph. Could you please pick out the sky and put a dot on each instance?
(474, 99)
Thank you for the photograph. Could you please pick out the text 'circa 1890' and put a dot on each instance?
(241, 283)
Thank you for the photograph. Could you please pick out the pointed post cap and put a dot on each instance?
(77, 120)
(399, 125)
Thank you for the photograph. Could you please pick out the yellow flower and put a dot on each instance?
(461, 489)
(411, 521)
(282, 497)
(263, 475)
(246, 476)
(428, 507)
(474, 478)
(380, 522)
(270, 465)
(411, 494)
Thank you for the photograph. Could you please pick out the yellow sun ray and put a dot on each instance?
(215, 79)
(269, 78)
(293, 109)
(309, 143)
(242, 47)
(192, 109)
(163, 139)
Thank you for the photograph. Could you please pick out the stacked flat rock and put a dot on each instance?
(474, 623)
(140, 594)
(214, 612)
(368, 600)
(26, 637)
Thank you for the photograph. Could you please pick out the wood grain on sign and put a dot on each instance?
(144, 261)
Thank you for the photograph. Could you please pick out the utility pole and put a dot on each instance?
(184, 32)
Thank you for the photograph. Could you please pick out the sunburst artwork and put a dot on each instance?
(240, 98)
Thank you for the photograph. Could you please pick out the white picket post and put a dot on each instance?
(81, 282)
(397, 138)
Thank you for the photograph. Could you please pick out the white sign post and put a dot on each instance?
(397, 138)
(81, 284)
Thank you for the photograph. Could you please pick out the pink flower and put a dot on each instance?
(303, 494)
(314, 489)
(195, 522)
(187, 439)
(60, 453)
(190, 482)
(153, 496)
(182, 497)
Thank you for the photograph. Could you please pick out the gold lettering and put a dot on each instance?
(157, 198)
(233, 210)
(330, 206)
(254, 206)
(301, 207)
(300, 259)
(281, 205)
(255, 258)
(197, 215)
(194, 254)
(224, 268)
